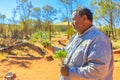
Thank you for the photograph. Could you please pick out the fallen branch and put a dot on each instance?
(116, 51)
(23, 44)
(61, 43)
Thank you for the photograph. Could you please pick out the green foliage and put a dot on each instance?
(116, 43)
(70, 31)
(104, 29)
(118, 32)
(60, 28)
(36, 12)
(46, 43)
(107, 12)
(60, 54)
(49, 13)
(39, 36)
(24, 1)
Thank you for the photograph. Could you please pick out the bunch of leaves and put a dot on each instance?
(60, 54)
(39, 36)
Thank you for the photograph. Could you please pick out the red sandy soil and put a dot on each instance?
(36, 68)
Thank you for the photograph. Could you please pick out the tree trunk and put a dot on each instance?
(50, 32)
(19, 45)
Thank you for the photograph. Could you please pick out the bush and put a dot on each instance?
(46, 43)
(116, 43)
(39, 36)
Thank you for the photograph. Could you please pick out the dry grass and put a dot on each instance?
(116, 43)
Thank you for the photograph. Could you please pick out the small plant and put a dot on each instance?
(60, 54)
(39, 36)
(46, 43)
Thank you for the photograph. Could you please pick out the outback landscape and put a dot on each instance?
(42, 68)
(29, 29)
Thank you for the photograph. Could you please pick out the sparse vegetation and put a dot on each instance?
(47, 43)
(116, 43)
(36, 24)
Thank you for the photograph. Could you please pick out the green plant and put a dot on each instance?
(115, 43)
(39, 36)
(70, 31)
(60, 54)
(46, 43)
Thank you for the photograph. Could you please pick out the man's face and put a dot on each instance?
(77, 22)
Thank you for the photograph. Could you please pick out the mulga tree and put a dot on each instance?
(2, 28)
(37, 14)
(49, 15)
(12, 25)
(24, 8)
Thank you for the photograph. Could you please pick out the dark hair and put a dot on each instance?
(86, 12)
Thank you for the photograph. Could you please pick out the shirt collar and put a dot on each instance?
(88, 30)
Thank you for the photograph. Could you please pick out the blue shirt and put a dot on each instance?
(89, 56)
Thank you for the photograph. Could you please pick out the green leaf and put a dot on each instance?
(60, 54)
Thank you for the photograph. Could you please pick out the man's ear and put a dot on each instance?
(84, 17)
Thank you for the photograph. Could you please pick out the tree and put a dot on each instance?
(2, 22)
(2, 18)
(37, 14)
(105, 13)
(49, 14)
(24, 8)
(68, 4)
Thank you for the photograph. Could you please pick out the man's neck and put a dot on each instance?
(85, 28)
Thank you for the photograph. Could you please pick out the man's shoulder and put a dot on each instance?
(95, 33)
(100, 36)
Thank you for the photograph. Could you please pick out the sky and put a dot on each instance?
(7, 6)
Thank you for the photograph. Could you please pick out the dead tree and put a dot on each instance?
(23, 44)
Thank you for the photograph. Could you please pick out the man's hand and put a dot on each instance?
(64, 70)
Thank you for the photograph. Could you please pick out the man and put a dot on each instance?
(89, 53)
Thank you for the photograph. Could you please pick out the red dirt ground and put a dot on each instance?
(27, 68)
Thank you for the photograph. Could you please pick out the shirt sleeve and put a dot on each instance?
(99, 55)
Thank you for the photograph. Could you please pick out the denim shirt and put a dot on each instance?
(89, 56)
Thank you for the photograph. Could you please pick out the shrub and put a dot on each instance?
(39, 36)
(60, 54)
(47, 43)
